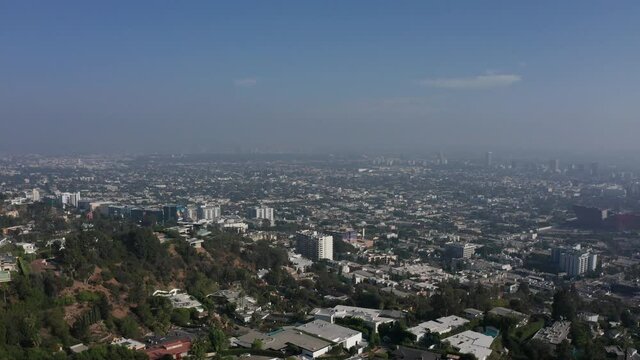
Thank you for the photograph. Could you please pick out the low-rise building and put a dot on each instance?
(180, 300)
(337, 334)
(521, 319)
(439, 326)
(472, 313)
(471, 342)
(8, 262)
(310, 346)
(28, 248)
(554, 334)
(372, 317)
(175, 349)
(128, 343)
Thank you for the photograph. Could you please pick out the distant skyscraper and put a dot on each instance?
(35, 195)
(70, 199)
(209, 212)
(170, 212)
(554, 165)
(314, 245)
(192, 212)
(488, 158)
(265, 213)
(574, 261)
(442, 160)
(460, 249)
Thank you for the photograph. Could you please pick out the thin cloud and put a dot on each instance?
(245, 82)
(395, 105)
(486, 81)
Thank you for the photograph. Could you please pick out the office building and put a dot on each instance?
(590, 216)
(314, 245)
(442, 160)
(170, 213)
(458, 250)
(488, 159)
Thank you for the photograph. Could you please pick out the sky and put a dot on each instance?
(318, 76)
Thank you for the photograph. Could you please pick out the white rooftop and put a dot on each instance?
(471, 342)
(180, 300)
(440, 326)
(328, 331)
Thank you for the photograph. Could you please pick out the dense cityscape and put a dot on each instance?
(324, 256)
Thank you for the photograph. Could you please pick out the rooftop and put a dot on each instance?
(471, 342)
(555, 333)
(440, 326)
(328, 331)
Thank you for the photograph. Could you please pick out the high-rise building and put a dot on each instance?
(442, 160)
(574, 261)
(488, 159)
(209, 212)
(35, 195)
(265, 213)
(590, 216)
(191, 212)
(460, 250)
(314, 245)
(170, 213)
(554, 165)
(70, 199)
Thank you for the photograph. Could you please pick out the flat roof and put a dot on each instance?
(440, 326)
(299, 339)
(502, 311)
(555, 333)
(471, 342)
(372, 315)
(328, 331)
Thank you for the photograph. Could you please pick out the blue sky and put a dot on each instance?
(157, 76)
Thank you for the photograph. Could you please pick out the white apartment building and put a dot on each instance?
(314, 245)
(209, 212)
(266, 213)
(70, 199)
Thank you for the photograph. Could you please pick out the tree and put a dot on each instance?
(109, 352)
(564, 305)
(539, 350)
(31, 330)
(395, 333)
(181, 317)
(563, 351)
(217, 339)
(199, 349)
(257, 344)
(129, 328)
